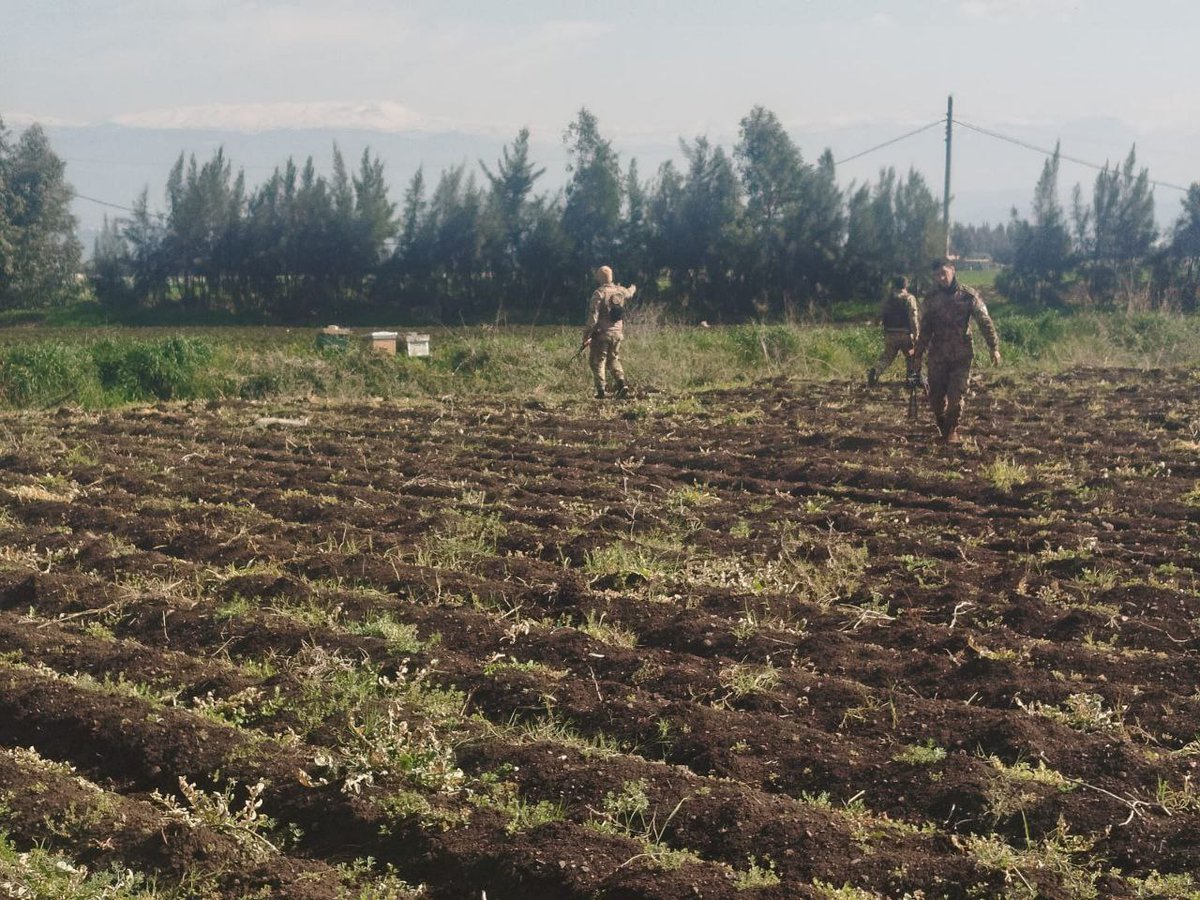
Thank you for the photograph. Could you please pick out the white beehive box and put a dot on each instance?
(416, 344)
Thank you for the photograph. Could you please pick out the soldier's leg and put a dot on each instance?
(596, 354)
(614, 365)
(911, 366)
(957, 381)
(885, 359)
(938, 376)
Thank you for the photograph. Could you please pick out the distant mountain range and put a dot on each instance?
(111, 163)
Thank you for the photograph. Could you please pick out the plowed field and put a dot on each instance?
(764, 642)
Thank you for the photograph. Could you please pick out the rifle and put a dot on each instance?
(579, 352)
(915, 382)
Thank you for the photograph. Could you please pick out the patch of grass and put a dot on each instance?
(741, 680)
(1005, 474)
(756, 876)
(927, 571)
(625, 564)
(551, 726)
(469, 536)
(1156, 886)
(1013, 787)
(595, 627)
(41, 873)
(1054, 854)
(401, 637)
(629, 814)
(925, 754)
(1081, 711)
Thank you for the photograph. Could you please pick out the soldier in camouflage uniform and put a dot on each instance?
(900, 330)
(946, 335)
(604, 330)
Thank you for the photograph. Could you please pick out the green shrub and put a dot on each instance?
(773, 344)
(169, 369)
(1031, 336)
(45, 374)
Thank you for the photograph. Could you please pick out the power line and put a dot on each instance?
(79, 196)
(1045, 152)
(894, 140)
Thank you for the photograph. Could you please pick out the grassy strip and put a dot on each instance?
(98, 368)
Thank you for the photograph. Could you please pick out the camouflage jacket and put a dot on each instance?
(899, 313)
(603, 314)
(946, 325)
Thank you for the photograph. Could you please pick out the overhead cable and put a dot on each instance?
(1044, 151)
(894, 140)
(79, 196)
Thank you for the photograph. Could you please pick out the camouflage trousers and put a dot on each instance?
(605, 352)
(895, 342)
(948, 381)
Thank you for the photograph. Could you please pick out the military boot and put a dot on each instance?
(950, 430)
(872, 377)
(621, 391)
(600, 393)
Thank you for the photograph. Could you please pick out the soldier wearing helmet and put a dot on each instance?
(900, 329)
(604, 331)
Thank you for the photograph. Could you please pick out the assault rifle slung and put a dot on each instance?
(917, 387)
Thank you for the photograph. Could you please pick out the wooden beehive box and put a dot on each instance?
(381, 341)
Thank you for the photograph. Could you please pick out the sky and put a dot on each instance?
(1102, 71)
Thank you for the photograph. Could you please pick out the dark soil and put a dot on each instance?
(776, 645)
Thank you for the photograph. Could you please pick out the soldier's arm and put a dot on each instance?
(924, 330)
(914, 325)
(980, 313)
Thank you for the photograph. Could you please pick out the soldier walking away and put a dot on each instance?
(604, 330)
(900, 330)
(945, 334)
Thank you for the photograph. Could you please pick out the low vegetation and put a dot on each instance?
(103, 367)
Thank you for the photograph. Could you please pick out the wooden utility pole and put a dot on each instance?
(946, 190)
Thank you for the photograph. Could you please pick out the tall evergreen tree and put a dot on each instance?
(700, 230)
(40, 256)
(1117, 232)
(592, 214)
(374, 213)
(815, 231)
(772, 176)
(7, 202)
(1178, 275)
(507, 216)
(636, 237)
(1041, 246)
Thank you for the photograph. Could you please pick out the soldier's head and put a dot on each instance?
(604, 275)
(943, 273)
(900, 282)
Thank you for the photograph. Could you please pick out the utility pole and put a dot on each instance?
(946, 190)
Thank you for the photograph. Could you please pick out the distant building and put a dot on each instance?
(982, 261)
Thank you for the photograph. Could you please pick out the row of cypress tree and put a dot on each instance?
(758, 232)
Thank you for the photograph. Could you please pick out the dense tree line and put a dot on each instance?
(1108, 253)
(757, 231)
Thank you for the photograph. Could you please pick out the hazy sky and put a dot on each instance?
(675, 67)
(1100, 74)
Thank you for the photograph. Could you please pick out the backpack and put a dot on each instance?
(614, 302)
